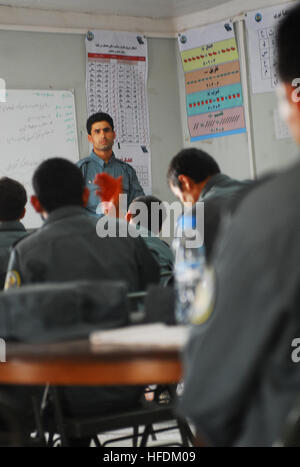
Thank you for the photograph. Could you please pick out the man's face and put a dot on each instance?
(102, 136)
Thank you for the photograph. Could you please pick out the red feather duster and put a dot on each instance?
(109, 187)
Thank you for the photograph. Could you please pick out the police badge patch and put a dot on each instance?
(13, 280)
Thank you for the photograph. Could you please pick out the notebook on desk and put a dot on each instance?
(156, 335)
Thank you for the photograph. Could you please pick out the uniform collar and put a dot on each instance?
(100, 161)
(66, 211)
(11, 225)
(210, 183)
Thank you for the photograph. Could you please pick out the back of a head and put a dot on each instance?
(57, 183)
(194, 163)
(154, 210)
(99, 117)
(13, 198)
(287, 42)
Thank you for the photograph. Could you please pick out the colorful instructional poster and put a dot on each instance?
(214, 98)
(116, 83)
(261, 29)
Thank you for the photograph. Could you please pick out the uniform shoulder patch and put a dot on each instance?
(204, 298)
(13, 280)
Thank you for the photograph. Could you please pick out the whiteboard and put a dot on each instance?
(35, 125)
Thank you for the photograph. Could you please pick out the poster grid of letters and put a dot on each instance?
(261, 29)
(116, 83)
(214, 99)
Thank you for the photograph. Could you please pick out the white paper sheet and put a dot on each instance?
(261, 27)
(149, 335)
(281, 129)
(116, 83)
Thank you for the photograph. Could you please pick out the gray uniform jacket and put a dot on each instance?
(221, 196)
(240, 380)
(10, 232)
(68, 248)
(92, 165)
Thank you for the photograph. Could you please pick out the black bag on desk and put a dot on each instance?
(59, 311)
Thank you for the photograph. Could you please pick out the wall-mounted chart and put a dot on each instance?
(116, 83)
(214, 99)
(261, 28)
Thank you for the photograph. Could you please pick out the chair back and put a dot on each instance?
(60, 311)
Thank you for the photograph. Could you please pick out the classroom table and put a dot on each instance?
(78, 362)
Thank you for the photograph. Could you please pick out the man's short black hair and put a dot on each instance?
(99, 117)
(194, 163)
(287, 44)
(13, 198)
(58, 182)
(148, 200)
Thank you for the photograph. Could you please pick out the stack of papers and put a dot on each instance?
(148, 335)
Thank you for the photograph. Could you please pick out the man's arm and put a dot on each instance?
(226, 353)
(135, 189)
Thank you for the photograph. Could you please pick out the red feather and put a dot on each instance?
(109, 187)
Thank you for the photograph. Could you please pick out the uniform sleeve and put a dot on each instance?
(228, 351)
(149, 270)
(135, 187)
(13, 276)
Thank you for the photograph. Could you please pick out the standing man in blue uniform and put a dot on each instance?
(101, 134)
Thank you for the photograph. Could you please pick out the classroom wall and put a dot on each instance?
(231, 152)
(33, 60)
(38, 60)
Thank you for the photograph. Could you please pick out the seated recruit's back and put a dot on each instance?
(68, 248)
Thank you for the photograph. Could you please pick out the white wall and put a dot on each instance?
(40, 60)
(34, 60)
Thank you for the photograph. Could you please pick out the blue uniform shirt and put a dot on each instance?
(92, 165)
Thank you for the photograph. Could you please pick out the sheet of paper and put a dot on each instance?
(116, 83)
(214, 97)
(149, 335)
(281, 129)
(261, 28)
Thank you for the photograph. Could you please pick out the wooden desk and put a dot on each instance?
(77, 362)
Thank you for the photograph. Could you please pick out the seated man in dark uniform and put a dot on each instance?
(194, 176)
(68, 248)
(150, 228)
(241, 377)
(101, 134)
(13, 199)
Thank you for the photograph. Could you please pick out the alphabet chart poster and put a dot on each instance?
(116, 83)
(214, 99)
(261, 28)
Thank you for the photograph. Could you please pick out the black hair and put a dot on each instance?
(194, 163)
(287, 42)
(99, 117)
(148, 200)
(58, 182)
(13, 198)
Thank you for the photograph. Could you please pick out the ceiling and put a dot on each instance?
(141, 8)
